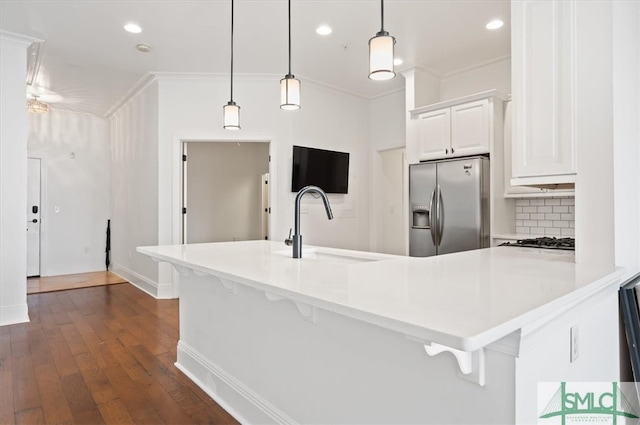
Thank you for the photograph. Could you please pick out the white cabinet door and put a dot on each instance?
(470, 128)
(509, 190)
(543, 62)
(434, 134)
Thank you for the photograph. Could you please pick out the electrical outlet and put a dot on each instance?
(574, 343)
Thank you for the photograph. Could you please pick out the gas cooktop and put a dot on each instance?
(545, 242)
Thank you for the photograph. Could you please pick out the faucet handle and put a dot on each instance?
(289, 240)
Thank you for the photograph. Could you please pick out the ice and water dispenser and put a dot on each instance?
(420, 216)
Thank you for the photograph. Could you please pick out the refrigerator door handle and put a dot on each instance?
(432, 216)
(440, 216)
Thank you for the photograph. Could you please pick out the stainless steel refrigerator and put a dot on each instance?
(449, 206)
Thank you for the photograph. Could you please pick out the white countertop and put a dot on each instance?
(465, 300)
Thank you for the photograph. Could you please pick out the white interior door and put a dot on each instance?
(33, 216)
(391, 204)
(266, 205)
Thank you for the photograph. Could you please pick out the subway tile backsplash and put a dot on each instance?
(546, 216)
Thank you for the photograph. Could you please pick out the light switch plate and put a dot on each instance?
(574, 343)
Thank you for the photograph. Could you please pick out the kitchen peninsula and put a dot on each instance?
(343, 336)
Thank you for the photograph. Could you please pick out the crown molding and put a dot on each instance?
(19, 38)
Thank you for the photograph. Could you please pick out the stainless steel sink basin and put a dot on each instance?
(331, 256)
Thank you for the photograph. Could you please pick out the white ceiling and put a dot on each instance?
(92, 62)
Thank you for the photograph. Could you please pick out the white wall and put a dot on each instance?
(224, 191)
(134, 188)
(626, 131)
(13, 179)
(493, 75)
(387, 140)
(76, 156)
(594, 132)
(190, 108)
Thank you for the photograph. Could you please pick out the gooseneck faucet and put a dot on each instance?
(297, 237)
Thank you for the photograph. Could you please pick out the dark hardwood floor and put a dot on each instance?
(101, 355)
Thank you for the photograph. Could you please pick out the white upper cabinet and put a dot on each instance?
(470, 128)
(459, 127)
(543, 65)
(434, 134)
(511, 191)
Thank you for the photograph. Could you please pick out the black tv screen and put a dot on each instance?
(328, 170)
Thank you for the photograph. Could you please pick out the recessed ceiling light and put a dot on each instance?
(144, 48)
(133, 28)
(324, 30)
(494, 25)
(398, 61)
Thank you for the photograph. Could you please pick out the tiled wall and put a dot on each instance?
(546, 216)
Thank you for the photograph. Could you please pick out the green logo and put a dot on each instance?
(591, 404)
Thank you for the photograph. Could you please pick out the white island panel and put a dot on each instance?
(341, 336)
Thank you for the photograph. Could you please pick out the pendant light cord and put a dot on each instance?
(381, 15)
(231, 51)
(289, 38)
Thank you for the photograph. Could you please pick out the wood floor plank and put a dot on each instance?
(98, 325)
(19, 342)
(83, 408)
(150, 337)
(132, 397)
(73, 338)
(80, 322)
(25, 386)
(114, 412)
(39, 347)
(170, 360)
(64, 361)
(32, 416)
(95, 378)
(6, 397)
(73, 281)
(99, 350)
(131, 366)
(5, 352)
(54, 403)
(168, 409)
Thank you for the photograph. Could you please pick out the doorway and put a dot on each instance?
(391, 204)
(34, 189)
(224, 191)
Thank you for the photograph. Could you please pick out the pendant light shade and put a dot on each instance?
(289, 85)
(231, 111)
(290, 93)
(231, 116)
(381, 52)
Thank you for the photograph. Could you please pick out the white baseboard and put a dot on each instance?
(137, 280)
(232, 395)
(12, 314)
(144, 283)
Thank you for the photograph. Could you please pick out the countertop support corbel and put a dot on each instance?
(470, 363)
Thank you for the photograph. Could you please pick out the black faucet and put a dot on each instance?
(296, 241)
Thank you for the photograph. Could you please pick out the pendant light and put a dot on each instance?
(381, 52)
(289, 85)
(231, 111)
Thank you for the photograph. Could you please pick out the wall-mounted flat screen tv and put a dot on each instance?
(328, 170)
